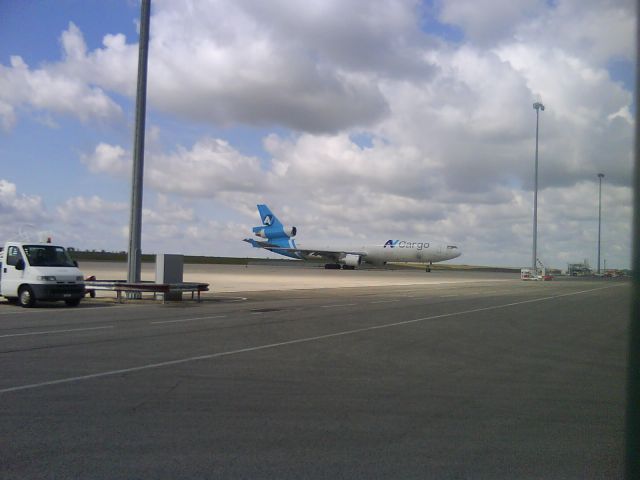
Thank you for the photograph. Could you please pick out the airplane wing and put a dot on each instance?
(334, 255)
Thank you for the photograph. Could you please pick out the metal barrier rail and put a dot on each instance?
(120, 286)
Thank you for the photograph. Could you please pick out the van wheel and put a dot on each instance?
(72, 303)
(26, 297)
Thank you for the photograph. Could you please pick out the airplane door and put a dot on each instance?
(11, 278)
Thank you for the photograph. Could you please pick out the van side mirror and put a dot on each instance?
(20, 264)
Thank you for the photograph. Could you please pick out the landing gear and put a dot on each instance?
(348, 267)
(428, 269)
(332, 266)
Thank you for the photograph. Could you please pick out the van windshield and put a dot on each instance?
(47, 256)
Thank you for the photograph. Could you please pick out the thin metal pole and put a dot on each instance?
(135, 224)
(538, 106)
(600, 176)
(535, 203)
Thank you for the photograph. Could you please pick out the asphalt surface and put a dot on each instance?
(479, 380)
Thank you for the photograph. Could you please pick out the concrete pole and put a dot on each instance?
(600, 177)
(135, 223)
(538, 106)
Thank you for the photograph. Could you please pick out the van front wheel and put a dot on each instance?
(26, 297)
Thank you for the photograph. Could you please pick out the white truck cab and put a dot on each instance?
(39, 271)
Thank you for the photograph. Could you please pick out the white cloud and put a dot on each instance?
(208, 167)
(167, 213)
(391, 131)
(111, 159)
(594, 29)
(17, 207)
(76, 210)
(211, 166)
(7, 116)
(599, 30)
(486, 21)
(45, 90)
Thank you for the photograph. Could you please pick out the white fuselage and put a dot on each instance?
(400, 251)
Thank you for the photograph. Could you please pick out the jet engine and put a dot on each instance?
(270, 232)
(351, 260)
(290, 231)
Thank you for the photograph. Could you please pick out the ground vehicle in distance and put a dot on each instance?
(39, 271)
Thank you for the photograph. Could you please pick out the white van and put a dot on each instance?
(39, 271)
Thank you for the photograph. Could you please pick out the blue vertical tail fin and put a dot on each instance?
(276, 234)
(271, 227)
(268, 218)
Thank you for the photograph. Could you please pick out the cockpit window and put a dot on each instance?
(451, 247)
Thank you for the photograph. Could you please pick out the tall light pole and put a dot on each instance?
(537, 106)
(135, 223)
(600, 177)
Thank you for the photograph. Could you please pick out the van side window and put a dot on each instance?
(13, 255)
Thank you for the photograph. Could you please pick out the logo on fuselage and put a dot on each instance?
(404, 244)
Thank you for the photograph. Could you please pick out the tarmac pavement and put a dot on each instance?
(472, 376)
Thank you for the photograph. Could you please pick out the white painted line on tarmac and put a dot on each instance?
(282, 344)
(340, 305)
(50, 332)
(449, 296)
(25, 311)
(384, 301)
(231, 299)
(162, 322)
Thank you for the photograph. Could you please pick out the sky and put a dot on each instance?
(357, 121)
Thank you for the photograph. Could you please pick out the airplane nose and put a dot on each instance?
(452, 251)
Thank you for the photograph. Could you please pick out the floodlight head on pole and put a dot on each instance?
(538, 106)
(601, 175)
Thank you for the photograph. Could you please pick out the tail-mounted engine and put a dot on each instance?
(275, 232)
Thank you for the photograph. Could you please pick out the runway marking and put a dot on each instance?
(162, 322)
(340, 305)
(283, 344)
(26, 311)
(232, 299)
(49, 332)
(449, 296)
(384, 301)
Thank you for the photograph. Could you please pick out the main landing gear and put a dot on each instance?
(337, 266)
(428, 269)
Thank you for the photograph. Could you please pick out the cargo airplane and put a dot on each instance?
(279, 239)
